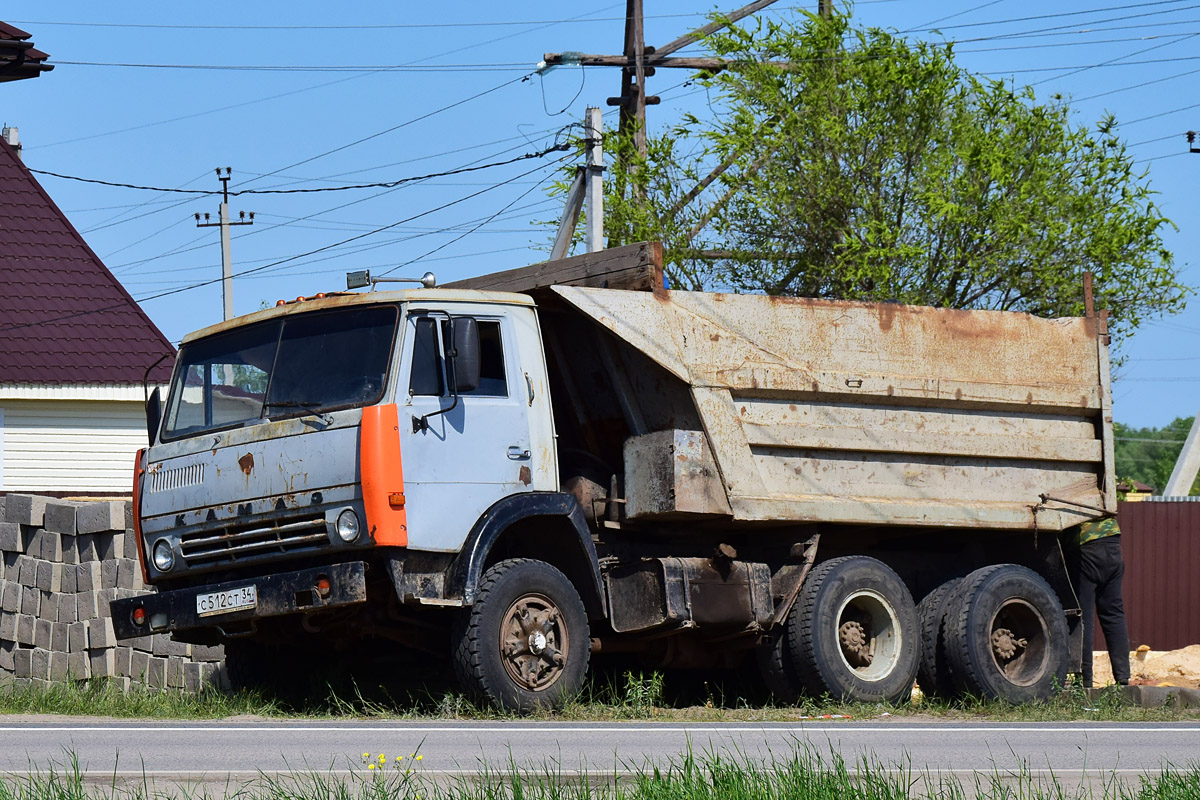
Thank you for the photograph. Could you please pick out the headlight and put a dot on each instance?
(164, 556)
(347, 526)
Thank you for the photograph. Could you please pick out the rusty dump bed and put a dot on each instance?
(846, 412)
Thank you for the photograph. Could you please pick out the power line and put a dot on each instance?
(378, 185)
(1114, 61)
(485, 67)
(411, 25)
(1060, 14)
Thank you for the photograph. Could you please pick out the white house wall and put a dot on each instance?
(77, 446)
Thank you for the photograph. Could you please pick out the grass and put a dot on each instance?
(609, 695)
(801, 774)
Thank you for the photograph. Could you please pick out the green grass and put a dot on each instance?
(613, 695)
(801, 774)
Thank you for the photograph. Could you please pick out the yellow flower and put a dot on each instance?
(366, 756)
(399, 759)
(382, 758)
(370, 766)
(420, 757)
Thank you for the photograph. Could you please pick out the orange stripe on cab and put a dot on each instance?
(382, 476)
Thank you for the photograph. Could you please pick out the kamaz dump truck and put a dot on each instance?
(515, 480)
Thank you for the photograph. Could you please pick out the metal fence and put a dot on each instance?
(1161, 544)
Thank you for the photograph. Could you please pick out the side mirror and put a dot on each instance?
(153, 414)
(466, 354)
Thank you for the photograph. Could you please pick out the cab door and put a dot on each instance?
(459, 462)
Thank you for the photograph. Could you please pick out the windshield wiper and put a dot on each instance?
(311, 408)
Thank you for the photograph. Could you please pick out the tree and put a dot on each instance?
(873, 168)
(1149, 454)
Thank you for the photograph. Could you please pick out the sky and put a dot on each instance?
(300, 96)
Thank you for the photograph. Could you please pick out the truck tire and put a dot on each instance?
(853, 633)
(524, 645)
(1006, 635)
(933, 672)
(777, 669)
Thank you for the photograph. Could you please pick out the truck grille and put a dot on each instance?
(247, 541)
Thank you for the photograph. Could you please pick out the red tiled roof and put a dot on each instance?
(18, 58)
(64, 318)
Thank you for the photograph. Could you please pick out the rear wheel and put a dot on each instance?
(933, 671)
(853, 632)
(524, 644)
(1006, 635)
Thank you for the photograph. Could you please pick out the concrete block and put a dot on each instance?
(42, 632)
(88, 576)
(104, 516)
(8, 627)
(40, 665)
(60, 516)
(216, 675)
(10, 597)
(31, 600)
(206, 652)
(77, 637)
(129, 574)
(67, 611)
(58, 666)
(7, 660)
(103, 663)
(175, 672)
(70, 578)
(174, 648)
(100, 633)
(25, 509)
(22, 663)
(49, 546)
(33, 542)
(103, 598)
(143, 643)
(11, 569)
(27, 570)
(12, 540)
(89, 550)
(48, 606)
(58, 637)
(108, 575)
(85, 606)
(121, 659)
(193, 680)
(50, 577)
(156, 673)
(70, 549)
(26, 630)
(161, 646)
(139, 666)
(79, 667)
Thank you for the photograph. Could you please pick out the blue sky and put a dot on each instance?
(438, 87)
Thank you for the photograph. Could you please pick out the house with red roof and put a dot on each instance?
(76, 350)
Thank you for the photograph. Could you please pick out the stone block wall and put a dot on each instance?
(63, 563)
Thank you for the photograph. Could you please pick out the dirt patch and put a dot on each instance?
(1154, 668)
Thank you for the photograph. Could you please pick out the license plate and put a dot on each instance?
(238, 599)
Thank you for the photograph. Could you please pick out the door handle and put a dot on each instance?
(518, 453)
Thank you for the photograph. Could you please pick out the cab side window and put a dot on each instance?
(492, 379)
(426, 377)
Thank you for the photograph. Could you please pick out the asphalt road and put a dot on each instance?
(240, 749)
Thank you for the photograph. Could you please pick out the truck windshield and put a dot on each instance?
(284, 367)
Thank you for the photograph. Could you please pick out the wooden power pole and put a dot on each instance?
(639, 62)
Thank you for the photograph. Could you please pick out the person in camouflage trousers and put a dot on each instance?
(1096, 570)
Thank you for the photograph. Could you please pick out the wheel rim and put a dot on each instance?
(534, 642)
(869, 635)
(1018, 642)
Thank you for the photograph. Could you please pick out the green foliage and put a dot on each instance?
(875, 168)
(1149, 454)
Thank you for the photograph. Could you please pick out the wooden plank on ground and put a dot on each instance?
(635, 266)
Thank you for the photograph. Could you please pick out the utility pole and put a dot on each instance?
(224, 224)
(1191, 137)
(588, 183)
(639, 62)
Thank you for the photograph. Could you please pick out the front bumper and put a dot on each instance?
(283, 593)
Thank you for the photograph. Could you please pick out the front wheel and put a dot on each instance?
(524, 644)
(853, 632)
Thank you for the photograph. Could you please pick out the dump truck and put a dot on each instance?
(520, 471)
